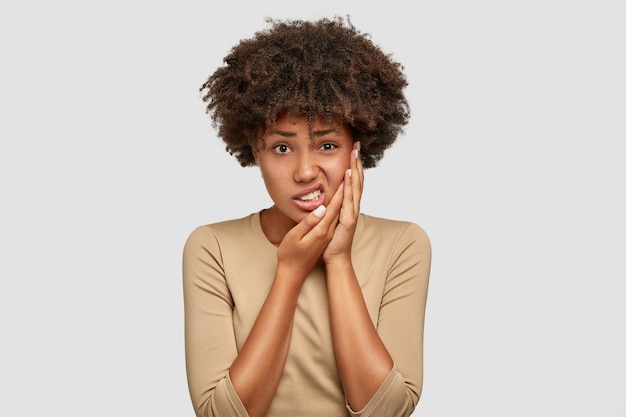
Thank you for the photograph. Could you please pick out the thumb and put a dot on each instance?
(319, 211)
(313, 218)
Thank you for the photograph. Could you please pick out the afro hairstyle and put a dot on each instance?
(325, 68)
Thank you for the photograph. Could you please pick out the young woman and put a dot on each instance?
(308, 307)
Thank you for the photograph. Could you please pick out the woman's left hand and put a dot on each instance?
(340, 245)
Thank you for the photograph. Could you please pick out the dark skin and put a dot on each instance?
(300, 98)
(331, 164)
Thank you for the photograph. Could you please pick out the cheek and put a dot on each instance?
(343, 164)
(269, 178)
(337, 170)
(276, 179)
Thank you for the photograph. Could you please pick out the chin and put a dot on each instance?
(299, 217)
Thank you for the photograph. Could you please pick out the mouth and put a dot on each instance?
(310, 199)
(313, 195)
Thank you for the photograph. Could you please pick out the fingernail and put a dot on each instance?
(319, 210)
(349, 172)
(358, 145)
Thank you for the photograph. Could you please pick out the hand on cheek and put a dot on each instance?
(304, 244)
(341, 244)
(356, 177)
(354, 187)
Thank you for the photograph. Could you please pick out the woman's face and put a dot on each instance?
(300, 174)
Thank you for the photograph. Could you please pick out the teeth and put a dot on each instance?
(311, 196)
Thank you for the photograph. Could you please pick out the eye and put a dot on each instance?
(281, 149)
(328, 146)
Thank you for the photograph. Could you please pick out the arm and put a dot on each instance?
(402, 310)
(362, 358)
(222, 380)
(257, 370)
(361, 348)
(210, 345)
(367, 354)
(363, 365)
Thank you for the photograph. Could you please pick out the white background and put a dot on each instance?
(513, 163)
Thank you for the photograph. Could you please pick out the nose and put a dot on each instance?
(307, 169)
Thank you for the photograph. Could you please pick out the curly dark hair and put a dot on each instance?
(325, 68)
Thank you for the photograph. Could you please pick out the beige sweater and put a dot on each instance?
(228, 269)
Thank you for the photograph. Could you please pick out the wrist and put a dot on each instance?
(290, 276)
(338, 263)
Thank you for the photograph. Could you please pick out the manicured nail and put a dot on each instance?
(349, 172)
(319, 210)
(358, 145)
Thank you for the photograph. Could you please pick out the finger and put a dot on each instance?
(311, 220)
(331, 216)
(356, 176)
(335, 203)
(348, 192)
(359, 164)
(325, 217)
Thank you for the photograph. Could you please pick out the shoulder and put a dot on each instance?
(213, 233)
(384, 229)
(396, 250)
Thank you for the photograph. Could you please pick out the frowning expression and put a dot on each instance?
(302, 172)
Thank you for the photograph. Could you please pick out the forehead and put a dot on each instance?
(302, 125)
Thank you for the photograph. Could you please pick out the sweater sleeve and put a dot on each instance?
(210, 346)
(401, 325)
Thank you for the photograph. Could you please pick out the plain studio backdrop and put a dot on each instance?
(511, 164)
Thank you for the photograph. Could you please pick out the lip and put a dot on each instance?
(309, 205)
(309, 190)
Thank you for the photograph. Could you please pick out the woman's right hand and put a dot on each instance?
(303, 245)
